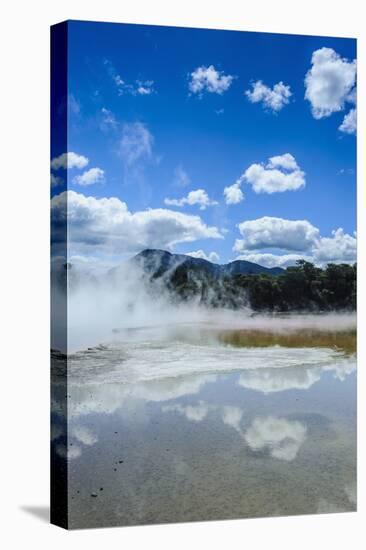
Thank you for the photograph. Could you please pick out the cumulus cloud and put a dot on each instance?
(280, 437)
(286, 161)
(211, 257)
(280, 173)
(340, 247)
(94, 175)
(106, 225)
(136, 143)
(329, 83)
(265, 180)
(269, 232)
(198, 197)
(349, 124)
(208, 79)
(299, 236)
(69, 160)
(273, 99)
(233, 193)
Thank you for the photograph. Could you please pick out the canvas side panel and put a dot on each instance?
(59, 468)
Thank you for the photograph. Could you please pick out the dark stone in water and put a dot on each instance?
(94, 495)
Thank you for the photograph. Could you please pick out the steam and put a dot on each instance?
(123, 305)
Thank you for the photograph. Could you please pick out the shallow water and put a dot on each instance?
(201, 422)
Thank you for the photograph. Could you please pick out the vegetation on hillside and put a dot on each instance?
(303, 287)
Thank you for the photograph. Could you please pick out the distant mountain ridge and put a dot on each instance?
(157, 262)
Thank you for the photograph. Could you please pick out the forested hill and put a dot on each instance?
(303, 287)
(158, 262)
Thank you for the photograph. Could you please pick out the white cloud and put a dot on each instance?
(286, 161)
(340, 247)
(211, 257)
(273, 260)
(349, 124)
(295, 235)
(92, 398)
(83, 434)
(210, 80)
(195, 413)
(233, 194)
(280, 174)
(269, 232)
(265, 180)
(198, 197)
(231, 416)
(69, 160)
(106, 225)
(298, 377)
(94, 175)
(144, 87)
(274, 99)
(273, 380)
(280, 437)
(329, 82)
(136, 87)
(136, 143)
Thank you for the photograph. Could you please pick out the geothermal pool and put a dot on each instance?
(207, 421)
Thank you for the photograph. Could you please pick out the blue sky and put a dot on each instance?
(159, 112)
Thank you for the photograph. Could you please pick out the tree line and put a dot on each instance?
(303, 287)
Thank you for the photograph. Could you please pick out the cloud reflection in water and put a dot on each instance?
(282, 438)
